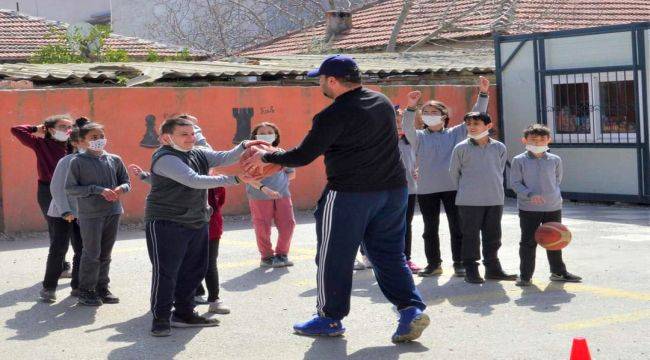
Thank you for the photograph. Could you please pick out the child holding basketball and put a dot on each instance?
(277, 208)
(535, 177)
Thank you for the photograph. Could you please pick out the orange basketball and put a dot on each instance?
(553, 236)
(259, 172)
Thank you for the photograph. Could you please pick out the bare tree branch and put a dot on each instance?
(392, 42)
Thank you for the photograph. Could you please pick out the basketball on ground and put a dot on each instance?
(553, 236)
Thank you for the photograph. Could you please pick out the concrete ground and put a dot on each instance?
(611, 308)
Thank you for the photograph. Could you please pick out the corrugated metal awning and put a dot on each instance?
(378, 64)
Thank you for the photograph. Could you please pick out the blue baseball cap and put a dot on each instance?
(336, 65)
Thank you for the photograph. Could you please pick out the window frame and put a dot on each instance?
(593, 81)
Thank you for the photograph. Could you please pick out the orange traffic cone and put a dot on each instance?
(580, 350)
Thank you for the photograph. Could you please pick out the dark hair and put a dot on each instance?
(51, 121)
(187, 116)
(168, 126)
(84, 130)
(78, 124)
(350, 80)
(537, 130)
(272, 126)
(440, 106)
(475, 115)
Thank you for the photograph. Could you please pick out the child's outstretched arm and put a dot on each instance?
(137, 171)
(265, 189)
(483, 98)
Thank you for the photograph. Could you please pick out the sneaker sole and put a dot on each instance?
(161, 334)
(334, 334)
(430, 275)
(47, 301)
(219, 311)
(89, 304)
(417, 327)
(564, 280)
(182, 325)
(111, 301)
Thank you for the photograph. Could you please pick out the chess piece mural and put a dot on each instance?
(243, 117)
(150, 138)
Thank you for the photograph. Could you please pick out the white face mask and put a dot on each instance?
(81, 150)
(61, 135)
(269, 138)
(479, 136)
(537, 149)
(176, 147)
(97, 145)
(432, 120)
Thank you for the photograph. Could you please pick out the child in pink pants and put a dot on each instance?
(266, 210)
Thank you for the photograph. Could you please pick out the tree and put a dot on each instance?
(502, 17)
(77, 47)
(224, 26)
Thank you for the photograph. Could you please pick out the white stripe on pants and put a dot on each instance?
(326, 227)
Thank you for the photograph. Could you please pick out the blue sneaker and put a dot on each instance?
(412, 322)
(320, 326)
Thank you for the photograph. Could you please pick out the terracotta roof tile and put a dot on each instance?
(372, 26)
(22, 35)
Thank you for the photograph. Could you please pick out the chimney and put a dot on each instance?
(337, 22)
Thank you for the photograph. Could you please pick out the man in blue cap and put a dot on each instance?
(363, 204)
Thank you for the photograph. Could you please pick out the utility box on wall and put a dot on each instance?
(590, 87)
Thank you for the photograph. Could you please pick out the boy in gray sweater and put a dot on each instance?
(535, 177)
(477, 166)
(97, 180)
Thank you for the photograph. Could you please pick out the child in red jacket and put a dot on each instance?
(216, 199)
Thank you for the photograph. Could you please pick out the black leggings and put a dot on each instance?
(212, 276)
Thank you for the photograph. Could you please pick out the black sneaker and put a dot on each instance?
(566, 277)
(268, 262)
(459, 270)
(472, 275)
(89, 298)
(47, 295)
(523, 282)
(193, 320)
(161, 327)
(431, 270)
(284, 259)
(499, 274)
(107, 297)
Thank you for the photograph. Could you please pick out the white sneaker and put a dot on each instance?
(359, 265)
(200, 300)
(218, 307)
(366, 262)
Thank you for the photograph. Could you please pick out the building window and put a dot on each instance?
(592, 107)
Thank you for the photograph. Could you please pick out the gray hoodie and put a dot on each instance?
(433, 151)
(88, 176)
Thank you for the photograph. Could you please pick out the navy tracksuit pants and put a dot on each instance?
(375, 220)
(179, 256)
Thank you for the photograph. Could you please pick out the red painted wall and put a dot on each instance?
(123, 112)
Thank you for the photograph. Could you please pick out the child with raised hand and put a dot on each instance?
(535, 176)
(97, 179)
(63, 225)
(275, 207)
(433, 147)
(477, 166)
